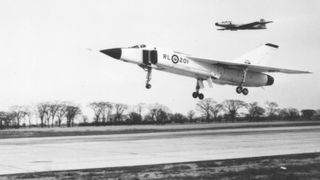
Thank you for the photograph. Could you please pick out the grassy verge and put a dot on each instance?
(288, 167)
(106, 130)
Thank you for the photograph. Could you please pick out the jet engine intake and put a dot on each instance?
(270, 80)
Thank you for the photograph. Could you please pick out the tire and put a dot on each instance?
(194, 94)
(239, 89)
(201, 96)
(148, 86)
(245, 91)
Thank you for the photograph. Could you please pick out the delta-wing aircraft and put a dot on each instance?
(241, 72)
(228, 25)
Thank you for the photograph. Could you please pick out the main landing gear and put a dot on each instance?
(196, 94)
(242, 90)
(149, 72)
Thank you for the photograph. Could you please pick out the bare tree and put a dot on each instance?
(43, 111)
(85, 119)
(135, 118)
(232, 107)
(161, 116)
(6, 119)
(106, 110)
(152, 113)
(178, 118)
(71, 112)
(61, 112)
(3, 119)
(158, 112)
(255, 110)
(215, 109)
(308, 114)
(18, 113)
(140, 108)
(317, 114)
(101, 110)
(294, 113)
(28, 115)
(53, 110)
(272, 109)
(97, 111)
(191, 115)
(205, 107)
(119, 110)
(289, 113)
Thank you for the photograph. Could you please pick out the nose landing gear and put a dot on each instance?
(148, 86)
(149, 72)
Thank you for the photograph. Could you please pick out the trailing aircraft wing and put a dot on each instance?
(249, 25)
(249, 67)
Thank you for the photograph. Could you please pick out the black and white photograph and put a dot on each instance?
(160, 89)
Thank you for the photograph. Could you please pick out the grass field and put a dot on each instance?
(125, 129)
(283, 167)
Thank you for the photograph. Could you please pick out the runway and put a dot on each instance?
(81, 152)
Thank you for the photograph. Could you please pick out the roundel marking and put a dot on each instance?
(175, 59)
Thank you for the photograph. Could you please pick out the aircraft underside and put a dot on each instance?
(233, 77)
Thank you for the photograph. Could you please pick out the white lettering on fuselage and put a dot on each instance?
(175, 59)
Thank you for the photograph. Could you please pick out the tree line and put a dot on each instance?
(57, 114)
(237, 110)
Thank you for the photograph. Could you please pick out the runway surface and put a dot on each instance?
(81, 152)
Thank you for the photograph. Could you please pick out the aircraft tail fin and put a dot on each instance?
(259, 55)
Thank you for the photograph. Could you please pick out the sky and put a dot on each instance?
(45, 49)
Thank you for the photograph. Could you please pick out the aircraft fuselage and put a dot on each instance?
(228, 25)
(179, 63)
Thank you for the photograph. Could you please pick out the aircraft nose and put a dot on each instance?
(115, 52)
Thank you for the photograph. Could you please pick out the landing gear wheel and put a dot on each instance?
(201, 96)
(195, 94)
(148, 86)
(245, 91)
(239, 89)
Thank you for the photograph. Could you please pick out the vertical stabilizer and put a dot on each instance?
(258, 56)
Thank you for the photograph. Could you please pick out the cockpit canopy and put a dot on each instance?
(139, 46)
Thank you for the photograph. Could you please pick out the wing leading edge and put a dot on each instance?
(250, 67)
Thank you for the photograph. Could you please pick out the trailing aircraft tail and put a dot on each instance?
(258, 56)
